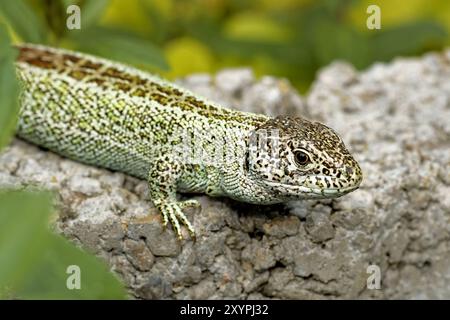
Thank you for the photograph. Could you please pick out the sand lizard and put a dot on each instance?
(114, 116)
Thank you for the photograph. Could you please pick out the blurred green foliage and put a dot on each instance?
(9, 89)
(33, 260)
(288, 38)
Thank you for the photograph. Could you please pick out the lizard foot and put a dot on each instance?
(173, 211)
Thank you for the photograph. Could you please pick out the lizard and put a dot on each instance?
(117, 117)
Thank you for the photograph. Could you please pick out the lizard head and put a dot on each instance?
(298, 159)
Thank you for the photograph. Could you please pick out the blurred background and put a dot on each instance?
(284, 38)
(287, 38)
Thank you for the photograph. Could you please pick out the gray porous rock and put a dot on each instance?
(395, 119)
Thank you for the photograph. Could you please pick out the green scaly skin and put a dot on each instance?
(114, 116)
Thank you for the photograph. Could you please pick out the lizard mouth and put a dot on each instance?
(299, 190)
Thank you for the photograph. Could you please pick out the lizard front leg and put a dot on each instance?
(162, 181)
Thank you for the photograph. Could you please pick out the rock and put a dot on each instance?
(272, 97)
(96, 209)
(321, 265)
(202, 290)
(393, 117)
(9, 182)
(259, 255)
(282, 226)
(163, 244)
(319, 227)
(138, 254)
(155, 287)
(115, 180)
(87, 186)
(231, 81)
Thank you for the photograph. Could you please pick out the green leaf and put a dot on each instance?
(160, 23)
(332, 41)
(67, 3)
(51, 275)
(23, 236)
(251, 25)
(23, 20)
(9, 89)
(55, 17)
(34, 262)
(408, 39)
(91, 12)
(121, 46)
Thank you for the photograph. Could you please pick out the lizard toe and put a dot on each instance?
(173, 212)
(185, 221)
(189, 204)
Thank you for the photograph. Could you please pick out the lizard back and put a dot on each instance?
(109, 114)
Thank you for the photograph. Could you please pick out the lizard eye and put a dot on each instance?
(301, 158)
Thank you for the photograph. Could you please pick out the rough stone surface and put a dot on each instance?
(394, 117)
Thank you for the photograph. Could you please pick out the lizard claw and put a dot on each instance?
(173, 212)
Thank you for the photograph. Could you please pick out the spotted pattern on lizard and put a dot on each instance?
(117, 117)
